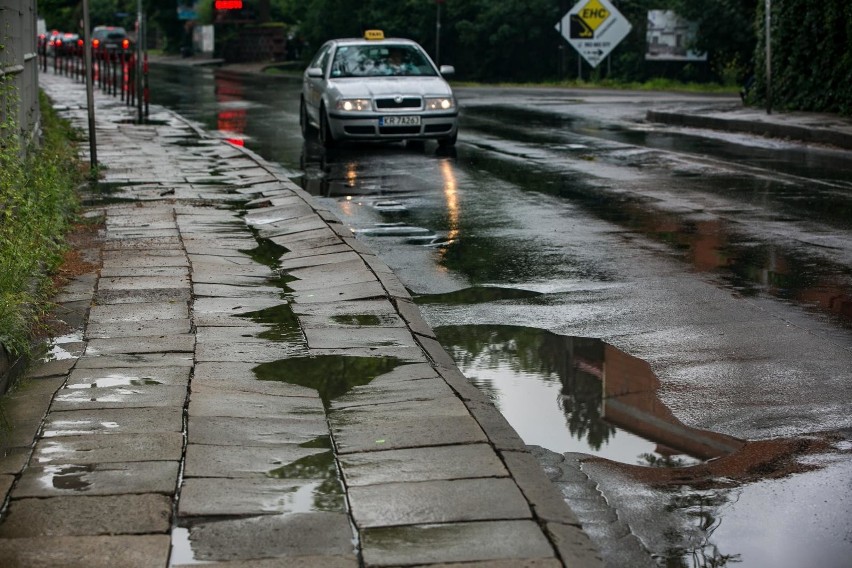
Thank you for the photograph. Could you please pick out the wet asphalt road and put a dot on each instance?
(723, 262)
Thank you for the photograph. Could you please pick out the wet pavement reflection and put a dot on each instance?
(574, 394)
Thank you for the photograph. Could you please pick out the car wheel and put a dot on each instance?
(326, 137)
(449, 141)
(304, 123)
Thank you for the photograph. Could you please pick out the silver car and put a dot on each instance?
(377, 89)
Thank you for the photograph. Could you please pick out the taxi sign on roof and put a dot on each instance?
(374, 34)
(594, 28)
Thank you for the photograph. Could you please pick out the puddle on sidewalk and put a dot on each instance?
(477, 295)
(330, 375)
(284, 324)
(325, 490)
(576, 394)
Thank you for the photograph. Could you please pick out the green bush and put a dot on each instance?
(37, 203)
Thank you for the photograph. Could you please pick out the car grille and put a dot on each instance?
(399, 130)
(406, 102)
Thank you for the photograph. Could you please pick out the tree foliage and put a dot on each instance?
(517, 40)
(811, 55)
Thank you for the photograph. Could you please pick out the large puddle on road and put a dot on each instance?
(577, 394)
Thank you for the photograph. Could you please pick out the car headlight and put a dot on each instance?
(354, 105)
(442, 103)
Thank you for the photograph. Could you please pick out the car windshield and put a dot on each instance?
(380, 60)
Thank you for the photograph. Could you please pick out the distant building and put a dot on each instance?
(669, 37)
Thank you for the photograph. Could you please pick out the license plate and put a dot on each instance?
(399, 121)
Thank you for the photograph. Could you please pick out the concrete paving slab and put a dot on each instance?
(285, 208)
(394, 393)
(102, 378)
(202, 497)
(150, 551)
(230, 291)
(143, 244)
(51, 369)
(246, 333)
(13, 459)
(574, 546)
(152, 446)
(255, 352)
(179, 280)
(254, 432)
(113, 421)
(404, 373)
(455, 542)
(441, 501)
(87, 516)
(316, 256)
(143, 296)
(292, 562)
(379, 307)
(131, 396)
(138, 312)
(240, 404)
(357, 275)
(291, 227)
(332, 338)
(368, 435)
(184, 343)
(273, 536)
(362, 291)
(422, 464)
(175, 272)
(138, 328)
(98, 479)
(404, 354)
(307, 240)
(234, 306)
(242, 462)
(136, 360)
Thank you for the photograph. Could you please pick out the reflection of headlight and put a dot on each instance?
(354, 104)
(439, 104)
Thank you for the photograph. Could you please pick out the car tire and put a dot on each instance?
(449, 141)
(325, 134)
(304, 123)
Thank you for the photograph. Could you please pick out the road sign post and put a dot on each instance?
(594, 28)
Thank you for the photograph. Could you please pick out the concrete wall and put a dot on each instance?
(19, 65)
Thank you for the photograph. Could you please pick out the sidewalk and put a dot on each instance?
(247, 385)
(812, 128)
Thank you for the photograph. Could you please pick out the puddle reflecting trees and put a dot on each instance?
(578, 394)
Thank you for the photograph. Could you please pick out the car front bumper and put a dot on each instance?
(366, 127)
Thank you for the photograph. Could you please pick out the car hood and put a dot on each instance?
(389, 86)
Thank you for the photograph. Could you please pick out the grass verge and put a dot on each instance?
(38, 203)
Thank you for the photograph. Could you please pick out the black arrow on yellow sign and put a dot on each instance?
(579, 29)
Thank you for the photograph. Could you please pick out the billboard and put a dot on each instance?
(669, 37)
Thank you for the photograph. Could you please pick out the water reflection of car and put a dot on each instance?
(377, 89)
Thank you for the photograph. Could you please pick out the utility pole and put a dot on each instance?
(140, 37)
(768, 39)
(90, 95)
(438, 33)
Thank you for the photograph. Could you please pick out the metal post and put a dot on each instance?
(90, 95)
(140, 37)
(768, 37)
(438, 33)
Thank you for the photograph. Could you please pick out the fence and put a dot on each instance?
(114, 69)
(18, 72)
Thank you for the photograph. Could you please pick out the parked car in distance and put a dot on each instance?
(67, 44)
(374, 88)
(110, 39)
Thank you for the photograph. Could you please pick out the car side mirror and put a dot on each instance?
(447, 70)
(315, 72)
